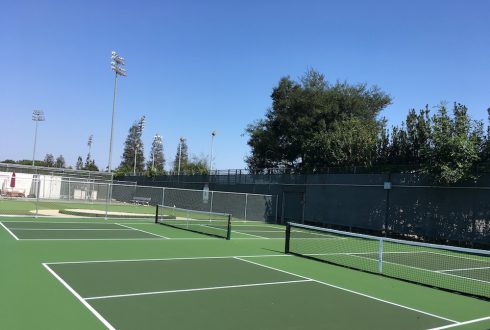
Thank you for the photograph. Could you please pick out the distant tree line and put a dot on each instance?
(313, 125)
(133, 158)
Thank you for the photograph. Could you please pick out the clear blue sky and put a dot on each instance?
(195, 66)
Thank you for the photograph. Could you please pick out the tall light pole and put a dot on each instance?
(213, 134)
(37, 116)
(135, 153)
(180, 153)
(116, 66)
(89, 143)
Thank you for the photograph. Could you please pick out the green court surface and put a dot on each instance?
(122, 274)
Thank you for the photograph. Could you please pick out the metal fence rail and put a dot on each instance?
(38, 195)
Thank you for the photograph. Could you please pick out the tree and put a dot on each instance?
(181, 154)
(198, 165)
(156, 163)
(134, 145)
(49, 160)
(79, 165)
(60, 162)
(350, 142)
(303, 116)
(485, 148)
(455, 145)
(90, 166)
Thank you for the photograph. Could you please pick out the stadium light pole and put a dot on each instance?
(213, 134)
(89, 143)
(37, 116)
(135, 154)
(116, 66)
(180, 153)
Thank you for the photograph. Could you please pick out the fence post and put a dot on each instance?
(380, 258)
(38, 190)
(288, 238)
(246, 205)
(163, 196)
(107, 200)
(211, 204)
(387, 187)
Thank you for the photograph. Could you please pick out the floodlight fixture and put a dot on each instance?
(37, 116)
(116, 63)
(213, 134)
(181, 140)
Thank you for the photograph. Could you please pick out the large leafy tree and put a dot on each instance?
(307, 114)
(456, 145)
(133, 145)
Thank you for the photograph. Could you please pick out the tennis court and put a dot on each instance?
(222, 293)
(116, 274)
(36, 230)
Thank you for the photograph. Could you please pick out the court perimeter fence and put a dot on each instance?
(399, 205)
(51, 195)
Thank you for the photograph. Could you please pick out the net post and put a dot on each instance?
(288, 237)
(156, 214)
(380, 257)
(228, 232)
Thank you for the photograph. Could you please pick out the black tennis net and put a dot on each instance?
(456, 269)
(202, 222)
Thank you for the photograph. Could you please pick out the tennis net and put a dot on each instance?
(446, 267)
(202, 222)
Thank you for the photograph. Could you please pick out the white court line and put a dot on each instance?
(135, 239)
(456, 256)
(8, 230)
(69, 229)
(351, 291)
(56, 222)
(239, 232)
(461, 269)
(461, 323)
(143, 231)
(263, 231)
(197, 289)
(86, 304)
(167, 259)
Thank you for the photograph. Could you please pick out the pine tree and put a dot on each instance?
(156, 163)
(133, 145)
(182, 155)
(79, 165)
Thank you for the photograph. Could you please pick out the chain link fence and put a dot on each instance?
(31, 194)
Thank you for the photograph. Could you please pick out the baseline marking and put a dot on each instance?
(166, 259)
(86, 304)
(68, 229)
